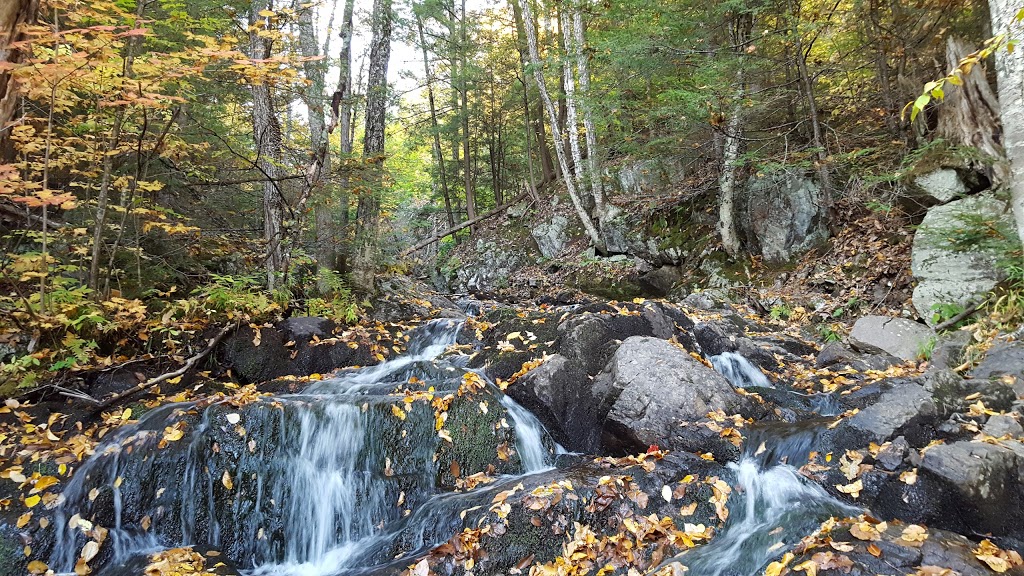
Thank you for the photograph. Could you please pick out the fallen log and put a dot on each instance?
(465, 224)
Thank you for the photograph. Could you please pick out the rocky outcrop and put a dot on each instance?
(551, 235)
(952, 272)
(899, 337)
(783, 216)
(490, 270)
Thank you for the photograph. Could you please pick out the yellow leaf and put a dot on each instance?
(23, 519)
(43, 483)
(398, 412)
(32, 500)
(226, 480)
(37, 567)
(775, 568)
(852, 489)
(90, 550)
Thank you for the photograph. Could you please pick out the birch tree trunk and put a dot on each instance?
(593, 170)
(570, 184)
(266, 131)
(727, 182)
(366, 247)
(13, 13)
(1010, 81)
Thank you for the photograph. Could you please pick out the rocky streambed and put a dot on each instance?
(608, 438)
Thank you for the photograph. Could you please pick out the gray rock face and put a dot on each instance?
(551, 236)
(1003, 425)
(645, 176)
(491, 270)
(783, 216)
(985, 480)
(895, 409)
(657, 387)
(949, 274)
(1004, 359)
(834, 353)
(900, 337)
(937, 187)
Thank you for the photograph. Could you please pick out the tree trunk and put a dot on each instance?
(802, 52)
(1010, 79)
(592, 170)
(969, 114)
(13, 13)
(267, 139)
(341, 103)
(368, 213)
(536, 123)
(438, 151)
(325, 250)
(727, 182)
(467, 168)
(531, 38)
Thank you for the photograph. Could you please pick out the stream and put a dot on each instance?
(323, 482)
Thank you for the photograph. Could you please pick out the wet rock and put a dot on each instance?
(899, 337)
(835, 354)
(948, 273)
(891, 456)
(937, 550)
(541, 516)
(259, 355)
(783, 216)
(660, 281)
(656, 387)
(559, 393)
(986, 482)
(894, 410)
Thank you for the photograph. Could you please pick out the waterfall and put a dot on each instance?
(305, 484)
(739, 371)
(772, 508)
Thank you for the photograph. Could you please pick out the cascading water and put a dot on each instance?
(739, 371)
(315, 483)
(772, 508)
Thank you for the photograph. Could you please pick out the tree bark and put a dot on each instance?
(467, 169)
(341, 104)
(533, 122)
(727, 182)
(593, 169)
(13, 14)
(438, 151)
(267, 140)
(969, 114)
(325, 251)
(368, 213)
(1010, 80)
(570, 184)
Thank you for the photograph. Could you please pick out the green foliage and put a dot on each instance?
(780, 311)
(926, 348)
(944, 311)
(828, 332)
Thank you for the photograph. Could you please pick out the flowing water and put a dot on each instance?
(328, 482)
(304, 492)
(739, 371)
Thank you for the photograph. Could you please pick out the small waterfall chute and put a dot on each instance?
(739, 371)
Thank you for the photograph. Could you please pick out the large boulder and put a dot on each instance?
(939, 186)
(899, 337)
(950, 268)
(984, 482)
(551, 235)
(298, 346)
(783, 216)
(895, 409)
(1004, 360)
(656, 387)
